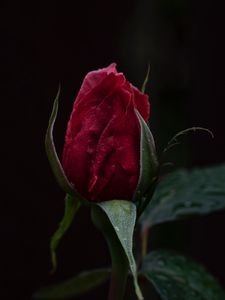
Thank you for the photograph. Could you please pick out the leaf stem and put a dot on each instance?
(144, 241)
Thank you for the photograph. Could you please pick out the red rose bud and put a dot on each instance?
(101, 155)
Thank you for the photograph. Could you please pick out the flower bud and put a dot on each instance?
(101, 155)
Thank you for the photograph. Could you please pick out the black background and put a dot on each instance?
(44, 44)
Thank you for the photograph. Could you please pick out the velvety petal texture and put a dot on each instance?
(101, 155)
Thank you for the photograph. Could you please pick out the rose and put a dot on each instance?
(101, 155)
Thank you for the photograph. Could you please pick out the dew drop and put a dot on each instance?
(188, 203)
(90, 150)
(161, 263)
(117, 229)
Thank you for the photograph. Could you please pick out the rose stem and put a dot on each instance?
(119, 270)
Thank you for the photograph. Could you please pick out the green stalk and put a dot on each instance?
(119, 270)
(119, 259)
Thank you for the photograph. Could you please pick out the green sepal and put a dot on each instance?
(146, 79)
(116, 219)
(71, 207)
(51, 151)
(174, 140)
(73, 287)
(148, 167)
(176, 277)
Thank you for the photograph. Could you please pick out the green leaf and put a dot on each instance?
(148, 167)
(176, 277)
(82, 283)
(186, 193)
(51, 151)
(121, 216)
(71, 207)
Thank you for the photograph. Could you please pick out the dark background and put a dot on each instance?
(44, 44)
